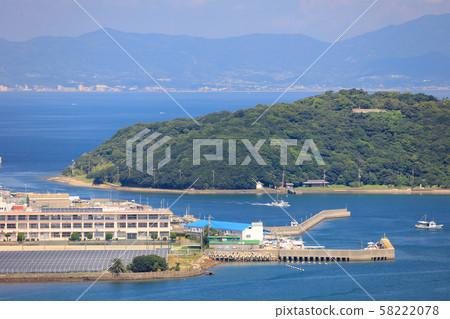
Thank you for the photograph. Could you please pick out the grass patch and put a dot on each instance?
(187, 262)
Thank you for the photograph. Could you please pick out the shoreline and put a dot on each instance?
(200, 268)
(75, 182)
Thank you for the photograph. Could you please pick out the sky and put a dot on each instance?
(321, 19)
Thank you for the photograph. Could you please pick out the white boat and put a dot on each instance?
(279, 203)
(372, 245)
(424, 224)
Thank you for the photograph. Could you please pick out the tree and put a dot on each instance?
(75, 236)
(20, 237)
(108, 236)
(154, 236)
(97, 181)
(173, 236)
(205, 239)
(207, 231)
(89, 236)
(7, 235)
(148, 263)
(117, 267)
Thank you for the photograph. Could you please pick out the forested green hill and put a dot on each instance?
(412, 133)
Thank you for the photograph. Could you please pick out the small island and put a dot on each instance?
(383, 140)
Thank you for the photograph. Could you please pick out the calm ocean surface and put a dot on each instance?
(40, 134)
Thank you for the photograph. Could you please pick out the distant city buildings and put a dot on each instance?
(213, 87)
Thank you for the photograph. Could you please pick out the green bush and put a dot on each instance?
(90, 236)
(108, 236)
(148, 263)
(75, 236)
(20, 237)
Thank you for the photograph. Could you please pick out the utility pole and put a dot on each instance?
(179, 171)
(282, 181)
(154, 177)
(324, 176)
(413, 177)
(213, 178)
(72, 166)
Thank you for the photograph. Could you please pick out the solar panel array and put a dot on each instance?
(67, 260)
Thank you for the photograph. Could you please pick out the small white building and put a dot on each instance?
(259, 185)
(254, 232)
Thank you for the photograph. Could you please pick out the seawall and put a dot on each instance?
(308, 255)
(95, 276)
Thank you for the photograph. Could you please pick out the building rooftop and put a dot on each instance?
(48, 196)
(315, 181)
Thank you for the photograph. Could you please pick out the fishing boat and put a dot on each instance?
(279, 203)
(424, 224)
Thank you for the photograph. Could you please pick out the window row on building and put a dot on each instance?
(81, 225)
(22, 217)
(95, 235)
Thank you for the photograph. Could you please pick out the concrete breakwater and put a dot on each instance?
(307, 255)
(242, 255)
(309, 223)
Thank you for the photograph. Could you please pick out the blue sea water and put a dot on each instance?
(40, 134)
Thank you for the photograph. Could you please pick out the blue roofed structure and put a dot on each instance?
(219, 225)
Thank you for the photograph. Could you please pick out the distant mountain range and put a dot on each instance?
(413, 54)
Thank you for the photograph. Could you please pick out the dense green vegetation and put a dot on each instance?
(147, 263)
(412, 134)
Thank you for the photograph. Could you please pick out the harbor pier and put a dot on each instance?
(386, 252)
(309, 223)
